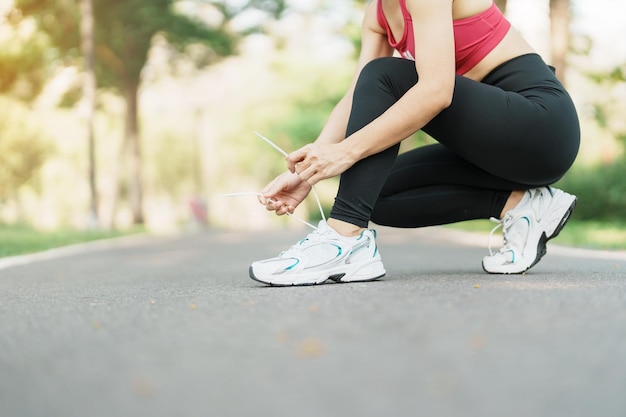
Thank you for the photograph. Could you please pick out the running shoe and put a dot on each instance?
(538, 218)
(323, 255)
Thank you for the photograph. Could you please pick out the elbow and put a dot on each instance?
(444, 102)
(447, 100)
(438, 95)
(443, 95)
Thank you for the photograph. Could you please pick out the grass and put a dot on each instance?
(581, 234)
(22, 239)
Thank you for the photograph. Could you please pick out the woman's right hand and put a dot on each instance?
(284, 193)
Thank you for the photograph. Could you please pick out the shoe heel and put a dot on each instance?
(564, 219)
(370, 272)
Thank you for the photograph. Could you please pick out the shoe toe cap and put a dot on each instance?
(273, 266)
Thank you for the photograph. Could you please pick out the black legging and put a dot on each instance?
(515, 130)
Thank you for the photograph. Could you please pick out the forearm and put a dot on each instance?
(408, 115)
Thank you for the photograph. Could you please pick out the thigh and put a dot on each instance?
(438, 165)
(523, 128)
(485, 126)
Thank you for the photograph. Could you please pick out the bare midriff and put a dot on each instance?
(513, 45)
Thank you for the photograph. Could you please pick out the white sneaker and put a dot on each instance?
(322, 255)
(527, 228)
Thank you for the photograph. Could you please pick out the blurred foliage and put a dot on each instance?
(308, 115)
(173, 170)
(297, 98)
(610, 107)
(123, 36)
(230, 10)
(601, 190)
(124, 31)
(22, 60)
(22, 239)
(601, 187)
(23, 149)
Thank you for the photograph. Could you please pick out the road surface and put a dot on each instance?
(173, 326)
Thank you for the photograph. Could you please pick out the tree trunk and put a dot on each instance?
(559, 35)
(89, 102)
(501, 5)
(135, 189)
(117, 174)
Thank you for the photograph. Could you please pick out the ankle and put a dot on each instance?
(344, 228)
(514, 198)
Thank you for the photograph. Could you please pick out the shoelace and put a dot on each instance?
(505, 223)
(255, 193)
(317, 234)
(500, 224)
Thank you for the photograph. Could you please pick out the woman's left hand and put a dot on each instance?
(315, 162)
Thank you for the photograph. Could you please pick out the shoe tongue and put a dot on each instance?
(517, 234)
(323, 225)
(525, 199)
(324, 229)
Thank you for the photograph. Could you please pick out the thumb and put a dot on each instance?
(268, 192)
(273, 188)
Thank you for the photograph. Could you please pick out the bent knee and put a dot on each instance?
(390, 72)
(381, 217)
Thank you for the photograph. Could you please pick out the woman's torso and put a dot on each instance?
(511, 45)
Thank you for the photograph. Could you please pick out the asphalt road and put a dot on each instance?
(174, 327)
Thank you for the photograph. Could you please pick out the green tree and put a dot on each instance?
(560, 17)
(609, 110)
(23, 151)
(87, 38)
(123, 34)
(22, 59)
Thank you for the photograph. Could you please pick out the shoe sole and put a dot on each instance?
(339, 278)
(542, 244)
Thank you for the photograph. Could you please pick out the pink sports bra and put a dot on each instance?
(474, 36)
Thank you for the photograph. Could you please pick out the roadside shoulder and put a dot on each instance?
(480, 239)
(78, 248)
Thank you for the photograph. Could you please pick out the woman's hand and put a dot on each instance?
(284, 193)
(315, 162)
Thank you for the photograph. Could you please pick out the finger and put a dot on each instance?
(270, 190)
(295, 157)
(311, 176)
(301, 167)
(273, 189)
(273, 205)
(307, 173)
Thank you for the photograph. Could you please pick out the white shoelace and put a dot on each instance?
(255, 193)
(507, 224)
(538, 204)
(499, 225)
(315, 235)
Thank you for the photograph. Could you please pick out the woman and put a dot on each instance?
(506, 129)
